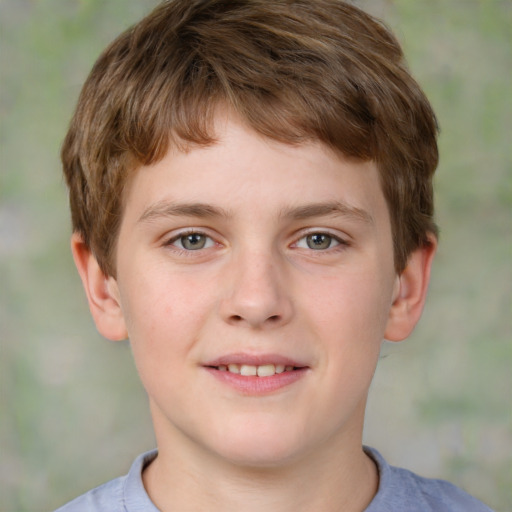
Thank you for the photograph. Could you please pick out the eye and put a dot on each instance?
(192, 241)
(318, 241)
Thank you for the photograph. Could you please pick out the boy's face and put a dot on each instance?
(251, 252)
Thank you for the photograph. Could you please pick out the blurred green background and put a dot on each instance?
(73, 413)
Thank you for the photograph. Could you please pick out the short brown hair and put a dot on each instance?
(293, 70)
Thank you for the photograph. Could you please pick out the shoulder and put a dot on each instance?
(107, 497)
(124, 494)
(402, 490)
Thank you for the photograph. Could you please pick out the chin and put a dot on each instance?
(259, 457)
(259, 445)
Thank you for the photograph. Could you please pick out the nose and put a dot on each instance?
(257, 294)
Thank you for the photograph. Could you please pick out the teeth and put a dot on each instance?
(266, 370)
(234, 368)
(248, 370)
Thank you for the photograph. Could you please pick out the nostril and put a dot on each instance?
(239, 318)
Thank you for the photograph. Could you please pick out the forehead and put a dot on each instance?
(246, 172)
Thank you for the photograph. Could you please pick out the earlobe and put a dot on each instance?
(411, 292)
(101, 291)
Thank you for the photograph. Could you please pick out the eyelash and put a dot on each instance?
(189, 252)
(341, 244)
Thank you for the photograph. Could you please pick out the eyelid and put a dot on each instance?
(342, 240)
(171, 238)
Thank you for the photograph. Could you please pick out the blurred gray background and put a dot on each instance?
(73, 413)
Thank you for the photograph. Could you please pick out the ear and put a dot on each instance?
(101, 290)
(411, 292)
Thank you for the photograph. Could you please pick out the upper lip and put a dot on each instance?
(255, 360)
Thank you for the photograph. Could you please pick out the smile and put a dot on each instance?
(256, 375)
(248, 370)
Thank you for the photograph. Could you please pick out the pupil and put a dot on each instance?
(319, 241)
(193, 241)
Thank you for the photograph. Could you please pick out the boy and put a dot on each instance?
(251, 193)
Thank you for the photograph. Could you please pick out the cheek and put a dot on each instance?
(164, 313)
(350, 320)
(347, 318)
(354, 304)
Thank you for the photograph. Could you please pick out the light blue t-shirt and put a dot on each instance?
(399, 491)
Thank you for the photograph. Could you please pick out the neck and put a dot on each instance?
(187, 478)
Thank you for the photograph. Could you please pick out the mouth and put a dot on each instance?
(249, 370)
(257, 375)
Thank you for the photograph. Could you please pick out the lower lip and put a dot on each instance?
(253, 385)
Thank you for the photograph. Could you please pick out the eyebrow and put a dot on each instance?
(334, 208)
(202, 210)
(169, 209)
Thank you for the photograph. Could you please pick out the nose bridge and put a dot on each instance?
(257, 294)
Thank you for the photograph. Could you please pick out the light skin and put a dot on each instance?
(253, 251)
